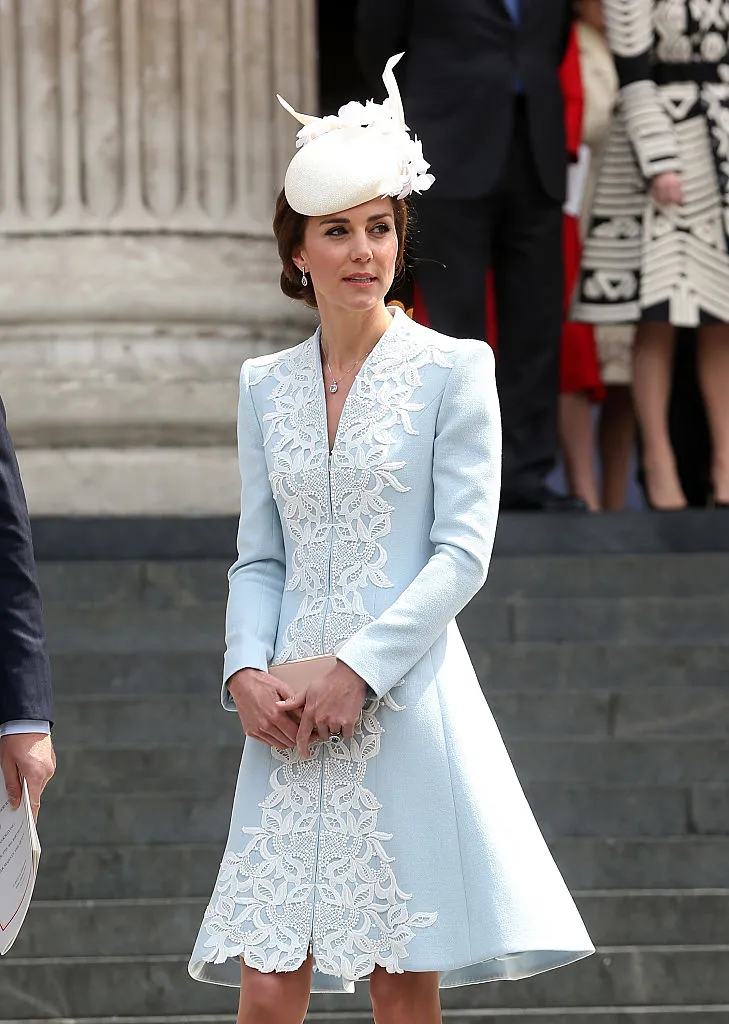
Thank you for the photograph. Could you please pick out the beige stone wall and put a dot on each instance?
(141, 149)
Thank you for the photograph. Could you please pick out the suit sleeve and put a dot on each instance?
(25, 676)
(650, 128)
(466, 485)
(382, 30)
(256, 579)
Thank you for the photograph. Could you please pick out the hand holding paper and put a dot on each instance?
(19, 857)
(28, 756)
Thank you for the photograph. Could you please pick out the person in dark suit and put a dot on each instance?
(482, 92)
(26, 699)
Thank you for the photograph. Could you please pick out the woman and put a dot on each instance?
(580, 383)
(614, 341)
(657, 249)
(378, 830)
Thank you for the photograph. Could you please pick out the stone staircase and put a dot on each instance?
(608, 674)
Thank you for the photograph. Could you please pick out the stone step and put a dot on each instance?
(143, 818)
(625, 620)
(128, 870)
(542, 666)
(145, 480)
(173, 719)
(178, 869)
(702, 711)
(130, 673)
(629, 811)
(132, 628)
(169, 536)
(677, 862)
(178, 584)
(619, 620)
(186, 583)
(609, 575)
(574, 1015)
(642, 976)
(146, 721)
(618, 762)
(103, 770)
(154, 927)
(565, 666)
(85, 770)
(562, 809)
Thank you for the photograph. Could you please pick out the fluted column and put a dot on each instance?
(148, 115)
(141, 150)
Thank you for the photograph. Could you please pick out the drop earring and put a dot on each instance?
(304, 278)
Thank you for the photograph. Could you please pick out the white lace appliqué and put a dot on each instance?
(317, 870)
(335, 507)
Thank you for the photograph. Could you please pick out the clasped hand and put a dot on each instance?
(270, 711)
(667, 189)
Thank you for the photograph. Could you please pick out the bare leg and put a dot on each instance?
(713, 369)
(653, 362)
(409, 998)
(274, 998)
(617, 438)
(578, 449)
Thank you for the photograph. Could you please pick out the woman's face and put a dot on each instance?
(590, 11)
(350, 256)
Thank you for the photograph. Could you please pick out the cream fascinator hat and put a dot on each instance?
(363, 152)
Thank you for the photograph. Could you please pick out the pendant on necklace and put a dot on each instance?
(334, 388)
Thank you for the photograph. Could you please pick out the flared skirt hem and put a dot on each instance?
(513, 966)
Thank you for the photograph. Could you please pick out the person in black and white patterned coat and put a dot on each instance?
(657, 248)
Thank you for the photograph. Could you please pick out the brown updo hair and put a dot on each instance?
(289, 227)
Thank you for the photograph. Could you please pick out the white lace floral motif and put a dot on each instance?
(335, 508)
(317, 870)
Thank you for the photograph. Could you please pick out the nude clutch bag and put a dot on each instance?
(300, 673)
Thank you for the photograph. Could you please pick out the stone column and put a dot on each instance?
(141, 150)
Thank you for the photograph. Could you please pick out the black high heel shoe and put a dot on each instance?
(641, 477)
(711, 501)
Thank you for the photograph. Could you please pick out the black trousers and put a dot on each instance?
(517, 231)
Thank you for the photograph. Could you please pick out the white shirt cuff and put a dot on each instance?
(24, 725)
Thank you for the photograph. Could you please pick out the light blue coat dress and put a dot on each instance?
(412, 845)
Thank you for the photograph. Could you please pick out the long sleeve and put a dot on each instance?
(257, 577)
(650, 129)
(25, 675)
(466, 483)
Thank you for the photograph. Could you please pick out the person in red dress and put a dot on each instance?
(580, 383)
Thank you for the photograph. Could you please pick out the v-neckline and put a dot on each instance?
(322, 386)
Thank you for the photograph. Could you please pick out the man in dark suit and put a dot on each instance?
(481, 90)
(26, 700)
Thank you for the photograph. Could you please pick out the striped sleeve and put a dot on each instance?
(650, 128)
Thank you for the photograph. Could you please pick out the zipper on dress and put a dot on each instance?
(316, 852)
(331, 552)
(323, 746)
